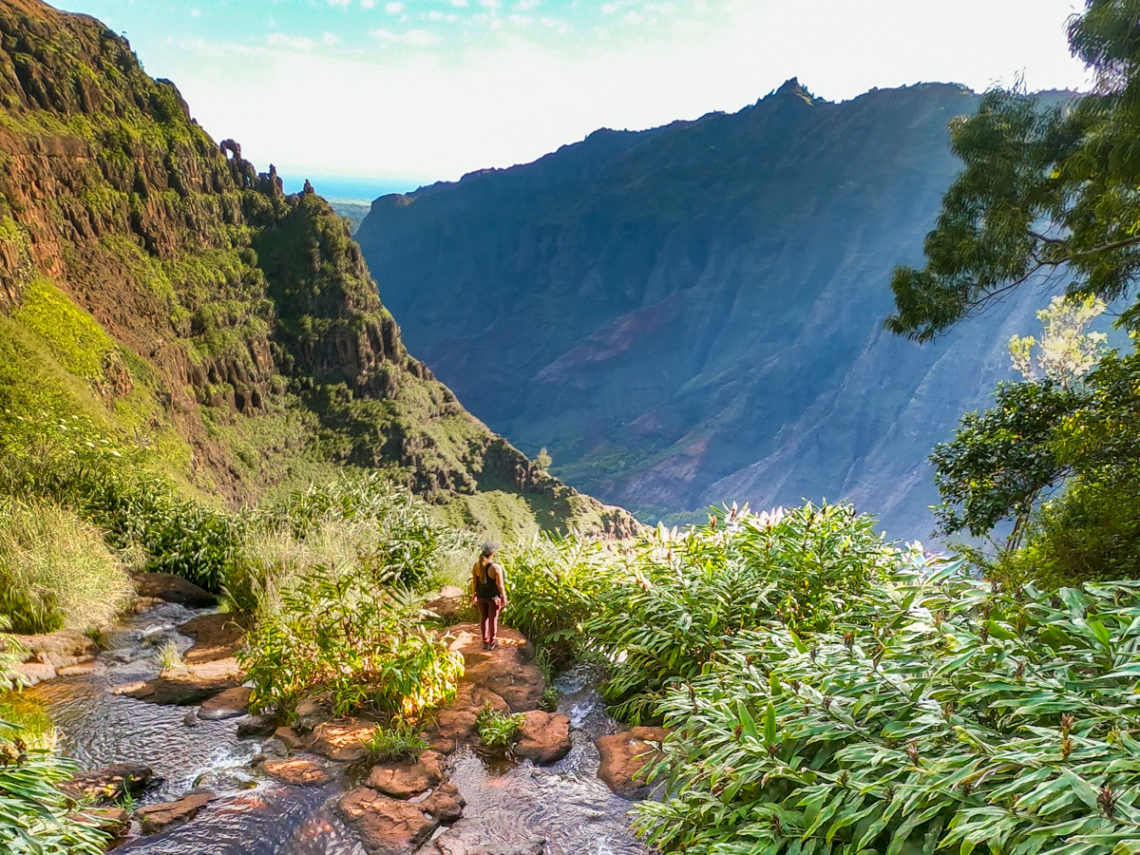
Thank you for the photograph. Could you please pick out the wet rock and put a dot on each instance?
(225, 779)
(35, 672)
(298, 772)
(256, 725)
(155, 818)
(289, 738)
(190, 719)
(624, 758)
(452, 843)
(311, 712)
(110, 783)
(229, 704)
(509, 671)
(172, 589)
(386, 826)
(217, 636)
(445, 803)
(404, 780)
(544, 737)
(59, 649)
(191, 684)
(81, 669)
(341, 740)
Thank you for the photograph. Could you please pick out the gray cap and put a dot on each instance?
(489, 549)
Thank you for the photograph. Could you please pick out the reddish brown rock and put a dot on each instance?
(81, 669)
(404, 780)
(58, 649)
(298, 772)
(109, 784)
(229, 704)
(289, 737)
(35, 672)
(544, 737)
(155, 818)
(217, 636)
(172, 589)
(342, 740)
(386, 826)
(624, 758)
(445, 803)
(509, 671)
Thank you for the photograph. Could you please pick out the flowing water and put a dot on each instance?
(510, 808)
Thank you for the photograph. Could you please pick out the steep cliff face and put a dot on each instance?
(155, 279)
(692, 314)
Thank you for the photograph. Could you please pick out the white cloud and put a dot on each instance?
(329, 39)
(282, 40)
(394, 8)
(412, 38)
(367, 4)
(195, 13)
(341, 3)
(527, 5)
(493, 5)
(460, 3)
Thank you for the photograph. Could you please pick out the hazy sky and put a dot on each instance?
(416, 90)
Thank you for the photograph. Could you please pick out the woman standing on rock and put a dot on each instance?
(489, 592)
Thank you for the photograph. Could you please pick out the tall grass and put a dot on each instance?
(55, 570)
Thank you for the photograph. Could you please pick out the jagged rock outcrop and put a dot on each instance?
(205, 287)
(693, 314)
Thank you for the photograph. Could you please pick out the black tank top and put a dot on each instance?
(487, 588)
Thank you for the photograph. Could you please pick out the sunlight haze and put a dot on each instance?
(421, 90)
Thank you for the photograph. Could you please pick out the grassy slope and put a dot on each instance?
(184, 304)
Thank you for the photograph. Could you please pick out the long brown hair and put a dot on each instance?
(485, 560)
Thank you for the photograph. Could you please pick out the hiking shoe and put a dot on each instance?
(486, 645)
(494, 645)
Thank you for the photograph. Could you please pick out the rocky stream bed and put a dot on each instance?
(206, 777)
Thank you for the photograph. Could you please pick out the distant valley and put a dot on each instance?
(693, 313)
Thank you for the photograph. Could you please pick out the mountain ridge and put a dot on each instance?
(155, 281)
(672, 311)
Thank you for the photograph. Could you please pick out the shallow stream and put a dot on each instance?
(564, 805)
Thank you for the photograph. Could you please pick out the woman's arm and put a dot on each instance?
(501, 578)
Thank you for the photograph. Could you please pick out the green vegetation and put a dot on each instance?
(658, 614)
(353, 636)
(1045, 190)
(37, 818)
(32, 717)
(401, 739)
(939, 716)
(497, 731)
(55, 570)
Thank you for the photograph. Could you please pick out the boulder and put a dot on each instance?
(445, 803)
(59, 649)
(404, 780)
(229, 704)
(172, 589)
(544, 737)
(217, 636)
(624, 758)
(155, 818)
(35, 672)
(256, 725)
(110, 783)
(191, 684)
(386, 826)
(298, 772)
(311, 712)
(452, 843)
(341, 740)
(289, 737)
(81, 669)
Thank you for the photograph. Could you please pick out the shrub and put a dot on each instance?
(30, 715)
(55, 570)
(36, 816)
(662, 612)
(400, 740)
(940, 715)
(497, 731)
(338, 631)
